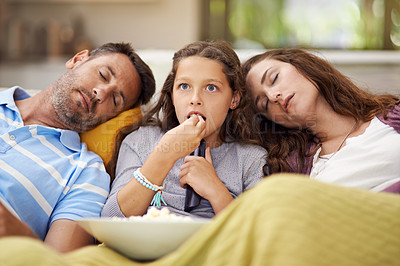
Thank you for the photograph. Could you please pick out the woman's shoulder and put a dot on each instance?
(393, 118)
(293, 160)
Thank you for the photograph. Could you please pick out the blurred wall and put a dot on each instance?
(56, 27)
(376, 71)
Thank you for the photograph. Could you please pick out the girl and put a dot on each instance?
(318, 122)
(202, 98)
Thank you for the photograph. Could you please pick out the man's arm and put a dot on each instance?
(10, 225)
(66, 235)
(63, 235)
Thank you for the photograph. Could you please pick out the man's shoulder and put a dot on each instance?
(71, 141)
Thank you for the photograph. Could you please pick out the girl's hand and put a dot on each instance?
(175, 144)
(199, 173)
(183, 139)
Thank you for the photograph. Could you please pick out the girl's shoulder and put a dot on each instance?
(144, 134)
(245, 149)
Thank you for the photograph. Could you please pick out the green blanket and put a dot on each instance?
(285, 220)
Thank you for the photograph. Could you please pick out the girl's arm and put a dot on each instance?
(134, 198)
(199, 173)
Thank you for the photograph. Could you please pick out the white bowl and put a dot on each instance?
(142, 239)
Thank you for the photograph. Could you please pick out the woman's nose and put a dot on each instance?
(273, 95)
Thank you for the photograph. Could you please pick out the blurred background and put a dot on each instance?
(360, 37)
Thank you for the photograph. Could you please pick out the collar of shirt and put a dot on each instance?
(68, 138)
(9, 96)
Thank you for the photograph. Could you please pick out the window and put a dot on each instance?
(326, 24)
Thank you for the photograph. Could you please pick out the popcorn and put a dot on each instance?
(155, 214)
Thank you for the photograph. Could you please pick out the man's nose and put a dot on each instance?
(101, 94)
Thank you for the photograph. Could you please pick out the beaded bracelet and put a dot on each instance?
(139, 173)
(157, 199)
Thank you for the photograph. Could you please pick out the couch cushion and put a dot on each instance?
(101, 139)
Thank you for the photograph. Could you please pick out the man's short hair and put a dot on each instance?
(147, 81)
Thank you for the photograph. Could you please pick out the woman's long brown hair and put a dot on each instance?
(339, 91)
(240, 124)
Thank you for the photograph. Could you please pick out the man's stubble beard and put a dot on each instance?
(64, 108)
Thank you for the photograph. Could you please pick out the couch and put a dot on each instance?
(285, 220)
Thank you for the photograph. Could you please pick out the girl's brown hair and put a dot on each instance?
(239, 125)
(339, 91)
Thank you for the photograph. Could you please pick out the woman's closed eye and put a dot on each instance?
(274, 78)
(264, 103)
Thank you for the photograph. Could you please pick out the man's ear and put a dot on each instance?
(235, 100)
(77, 59)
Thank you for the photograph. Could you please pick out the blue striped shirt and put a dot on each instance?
(46, 173)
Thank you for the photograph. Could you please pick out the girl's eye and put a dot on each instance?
(184, 86)
(275, 78)
(211, 88)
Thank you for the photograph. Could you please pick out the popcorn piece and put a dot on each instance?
(155, 214)
(164, 212)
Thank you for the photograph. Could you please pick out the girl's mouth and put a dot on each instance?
(195, 113)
